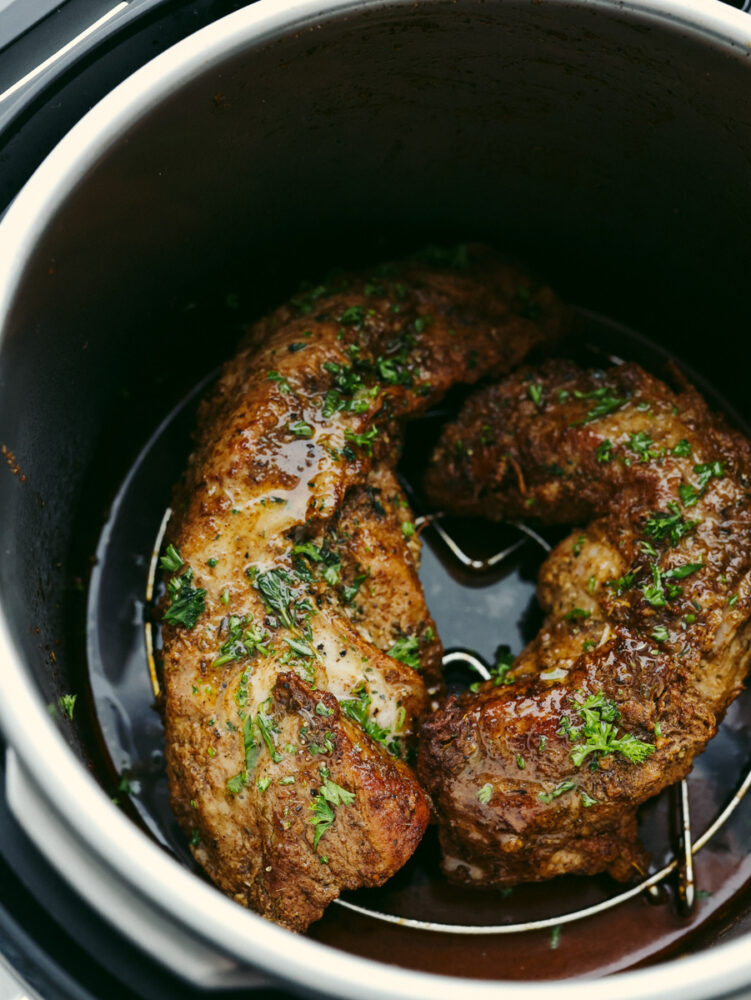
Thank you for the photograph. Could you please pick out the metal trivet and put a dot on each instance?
(682, 865)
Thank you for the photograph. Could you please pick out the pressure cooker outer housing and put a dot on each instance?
(607, 144)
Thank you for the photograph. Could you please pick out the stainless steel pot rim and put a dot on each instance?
(68, 789)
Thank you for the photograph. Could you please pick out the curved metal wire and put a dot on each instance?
(682, 864)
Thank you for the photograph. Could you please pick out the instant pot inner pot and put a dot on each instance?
(608, 151)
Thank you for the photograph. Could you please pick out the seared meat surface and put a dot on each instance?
(294, 630)
(647, 636)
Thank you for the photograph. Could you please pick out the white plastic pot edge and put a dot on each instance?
(73, 796)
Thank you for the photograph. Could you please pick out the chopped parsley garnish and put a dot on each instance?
(187, 603)
(266, 729)
(622, 584)
(579, 545)
(660, 633)
(244, 640)
(353, 316)
(67, 703)
(598, 734)
(485, 793)
(327, 798)
(250, 747)
(576, 615)
(300, 429)
(278, 596)
(282, 382)
(393, 372)
(689, 493)
(564, 786)
(357, 710)
(406, 649)
(682, 449)
(670, 525)
(641, 443)
(236, 784)
(606, 403)
(299, 647)
(604, 451)
(732, 600)
(307, 549)
(408, 529)
(654, 592)
(171, 560)
(364, 440)
(681, 572)
(500, 671)
(587, 799)
(535, 394)
(350, 591)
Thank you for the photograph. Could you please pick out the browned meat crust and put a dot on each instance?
(285, 715)
(647, 639)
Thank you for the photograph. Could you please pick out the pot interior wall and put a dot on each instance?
(607, 150)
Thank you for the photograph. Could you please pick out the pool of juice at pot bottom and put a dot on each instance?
(477, 612)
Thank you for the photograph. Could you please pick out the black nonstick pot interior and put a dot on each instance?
(607, 149)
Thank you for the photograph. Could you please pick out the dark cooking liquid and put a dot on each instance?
(472, 612)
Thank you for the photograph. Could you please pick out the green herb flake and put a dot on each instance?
(576, 615)
(660, 633)
(563, 786)
(605, 403)
(187, 603)
(364, 440)
(171, 561)
(670, 525)
(280, 380)
(485, 794)
(236, 784)
(555, 937)
(406, 650)
(245, 639)
(654, 592)
(265, 728)
(327, 798)
(598, 734)
(604, 451)
(353, 316)
(408, 529)
(682, 449)
(535, 394)
(67, 703)
(300, 429)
